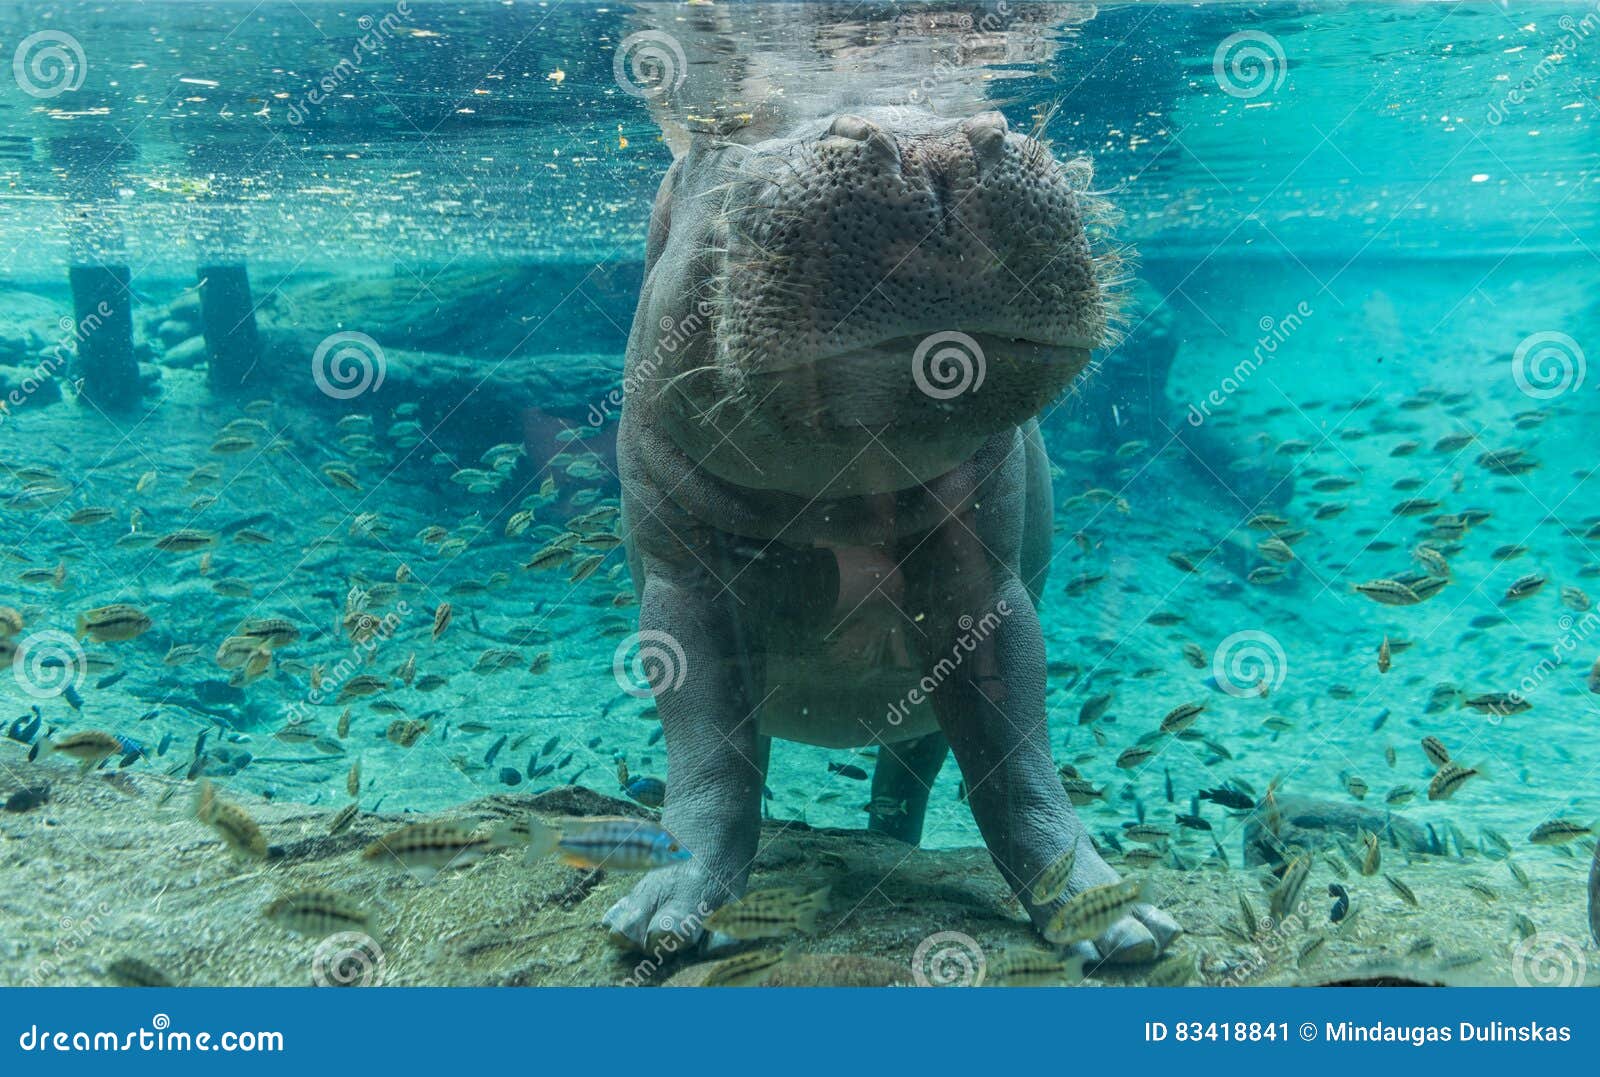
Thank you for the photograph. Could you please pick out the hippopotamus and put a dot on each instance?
(835, 496)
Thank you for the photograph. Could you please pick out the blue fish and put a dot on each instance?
(651, 792)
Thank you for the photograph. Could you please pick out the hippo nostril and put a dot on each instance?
(987, 133)
(848, 126)
(859, 130)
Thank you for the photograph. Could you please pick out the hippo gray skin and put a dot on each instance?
(838, 518)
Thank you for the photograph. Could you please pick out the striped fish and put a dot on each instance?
(615, 842)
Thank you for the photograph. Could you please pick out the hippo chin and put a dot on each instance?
(837, 499)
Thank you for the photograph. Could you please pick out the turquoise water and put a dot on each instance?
(1368, 251)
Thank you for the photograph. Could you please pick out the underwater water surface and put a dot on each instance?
(312, 325)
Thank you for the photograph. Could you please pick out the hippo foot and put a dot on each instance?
(1141, 936)
(665, 912)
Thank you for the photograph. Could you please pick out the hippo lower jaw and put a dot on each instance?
(882, 417)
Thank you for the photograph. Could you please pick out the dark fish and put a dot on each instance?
(510, 776)
(651, 792)
(1193, 822)
(166, 742)
(70, 694)
(1170, 798)
(1341, 904)
(28, 798)
(494, 750)
(110, 679)
(1228, 798)
(550, 745)
(655, 735)
(1383, 716)
(564, 761)
(541, 771)
(592, 743)
(848, 770)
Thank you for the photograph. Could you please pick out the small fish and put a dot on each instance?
(848, 770)
(1181, 717)
(1091, 912)
(114, 623)
(89, 747)
(1404, 892)
(1052, 881)
(1449, 780)
(343, 818)
(770, 914)
(1434, 749)
(238, 830)
(1384, 656)
(318, 913)
(424, 849)
(441, 619)
(613, 842)
(1559, 832)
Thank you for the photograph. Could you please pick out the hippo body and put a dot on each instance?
(837, 502)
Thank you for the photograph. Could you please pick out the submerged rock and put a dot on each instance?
(1314, 823)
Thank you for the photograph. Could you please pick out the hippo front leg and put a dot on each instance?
(713, 802)
(990, 705)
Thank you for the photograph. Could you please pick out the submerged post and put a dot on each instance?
(228, 320)
(102, 303)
